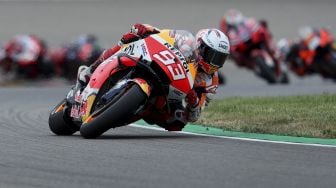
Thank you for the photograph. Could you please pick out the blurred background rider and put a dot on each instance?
(246, 33)
(25, 56)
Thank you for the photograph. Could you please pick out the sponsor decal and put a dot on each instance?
(129, 49)
(78, 111)
(74, 111)
(78, 97)
(83, 109)
(223, 45)
(144, 49)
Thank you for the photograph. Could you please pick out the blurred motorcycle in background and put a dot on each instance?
(25, 57)
(252, 47)
(313, 53)
(68, 58)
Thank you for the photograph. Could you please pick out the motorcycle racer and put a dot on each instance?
(244, 33)
(84, 50)
(312, 52)
(212, 51)
(25, 55)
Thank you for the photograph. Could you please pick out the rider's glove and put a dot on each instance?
(128, 38)
(137, 32)
(84, 75)
(143, 30)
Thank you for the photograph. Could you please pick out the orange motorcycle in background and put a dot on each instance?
(314, 54)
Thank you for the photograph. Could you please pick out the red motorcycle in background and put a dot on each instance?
(249, 49)
(126, 87)
(25, 57)
(68, 58)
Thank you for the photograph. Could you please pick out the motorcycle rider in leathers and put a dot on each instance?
(212, 51)
(26, 56)
(310, 52)
(245, 32)
(84, 50)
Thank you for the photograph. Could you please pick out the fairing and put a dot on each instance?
(160, 49)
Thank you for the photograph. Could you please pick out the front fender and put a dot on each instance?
(103, 72)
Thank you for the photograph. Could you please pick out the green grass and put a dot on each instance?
(308, 116)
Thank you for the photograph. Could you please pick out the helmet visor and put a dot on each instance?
(214, 57)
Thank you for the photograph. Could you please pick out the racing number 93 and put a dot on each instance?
(168, 59)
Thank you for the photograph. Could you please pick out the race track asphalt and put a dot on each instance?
(31, 156)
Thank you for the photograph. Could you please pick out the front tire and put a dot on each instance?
(59, 122)
(116, 114)
(266, 72)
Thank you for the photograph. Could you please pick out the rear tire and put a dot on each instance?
(60, 123)
(117, 114)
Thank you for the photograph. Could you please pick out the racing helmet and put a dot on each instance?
(234, 17)
(213, 48)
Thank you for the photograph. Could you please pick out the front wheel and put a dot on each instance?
(284, 78)
(265, 71)
(117, 113)
(59, 122)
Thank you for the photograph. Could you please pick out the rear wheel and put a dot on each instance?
(116, 113)
(59, 121)
(332, 67)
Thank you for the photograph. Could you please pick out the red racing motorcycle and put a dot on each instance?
(249, 49)
(68, 58)
(125, 86)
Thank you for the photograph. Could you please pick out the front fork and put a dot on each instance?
(111, 94)
(143, 84)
